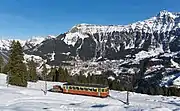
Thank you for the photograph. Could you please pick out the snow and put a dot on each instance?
(175, 64)
(153, 68)
(165, 12)
(2, 79)
(15, 98)
(111, 78)
(5, 44)
(131, 71)
(154, 59)
(68, 53)
(71, 38)
(51, 36)
(130, 45)
(171, 54)
(40, 85)
(148, 76)
(35, 58)
(155, 23)
(144, 54)
(163, 22)
(52, 56)
(177, 82)
(35, 40)
(167, 80)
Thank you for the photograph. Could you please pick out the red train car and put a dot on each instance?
(83, 89)
(86, 89)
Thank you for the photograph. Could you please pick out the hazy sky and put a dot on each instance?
(21, 19)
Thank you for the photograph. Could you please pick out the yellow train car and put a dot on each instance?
(86, 89)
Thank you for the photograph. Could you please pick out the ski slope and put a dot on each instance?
(15, 98)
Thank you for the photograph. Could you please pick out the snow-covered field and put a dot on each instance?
(15, 98)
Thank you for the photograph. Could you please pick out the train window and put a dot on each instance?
(102, 90)
(90, 89)
(81, 88)
(73, 88)
(95, 90)
(70, 87)
(77, 88)
(86, 89)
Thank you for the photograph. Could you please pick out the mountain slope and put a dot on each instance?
(161, 31)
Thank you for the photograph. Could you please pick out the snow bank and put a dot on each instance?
(41, 84)
(3, 79)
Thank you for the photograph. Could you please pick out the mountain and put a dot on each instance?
(144, 53)
(26, 44)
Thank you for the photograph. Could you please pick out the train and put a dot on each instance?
(96, 90)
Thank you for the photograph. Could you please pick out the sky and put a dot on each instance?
(22, 19)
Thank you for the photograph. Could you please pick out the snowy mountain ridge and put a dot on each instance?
(26, 44)
(5, 43)
(162, 22)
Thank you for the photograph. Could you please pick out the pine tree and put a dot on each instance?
(93, 79)
(52, 76)
(44, 72)
(16, 66)
(56, 76)
(1, 64)
(82, 78)
(61, 74)
(32, 74)
(89, 78)
(66, 74)
(6, 68)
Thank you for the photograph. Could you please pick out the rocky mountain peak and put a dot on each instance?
(165, 13)
(164, 21)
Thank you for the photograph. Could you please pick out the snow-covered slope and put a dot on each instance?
(33, 99)
(33, 42)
